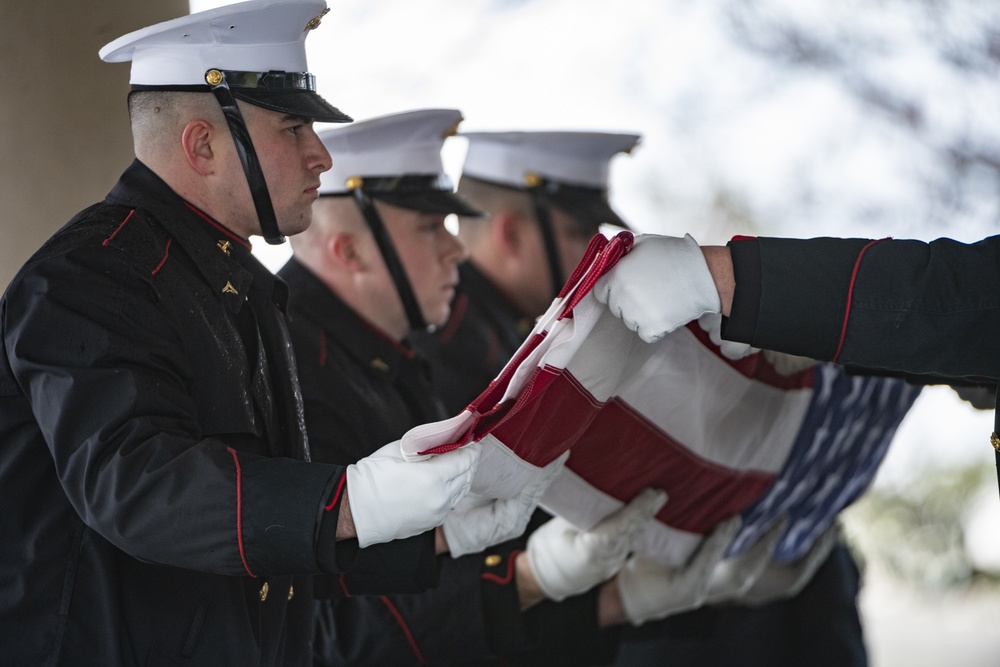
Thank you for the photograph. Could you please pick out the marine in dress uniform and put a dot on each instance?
(550, 191)
(159, 505)
(356, 360)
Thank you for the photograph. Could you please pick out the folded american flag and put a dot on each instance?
(763, 435)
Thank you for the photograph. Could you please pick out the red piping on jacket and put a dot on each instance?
(228, 232)
(405, 628)
(239, 510)
(115, 233)
(166, 252)
(336, 494)
(503, 581)
(850, 296)
(458, 308)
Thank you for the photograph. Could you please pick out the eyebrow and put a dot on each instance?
(293, 118)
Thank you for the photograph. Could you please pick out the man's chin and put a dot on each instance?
(296, 226)
(438, 322)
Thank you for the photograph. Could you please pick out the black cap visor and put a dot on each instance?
(430, 201)
(427, 193)
(589, 206)
(305, 103)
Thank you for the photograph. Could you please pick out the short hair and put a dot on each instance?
(490, 198)
(157, 116)
(331, 214)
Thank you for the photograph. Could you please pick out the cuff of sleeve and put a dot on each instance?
(567, 632)
(401, 566)
(504, 630)
(331, 556)
(278, 533)
(742, 321)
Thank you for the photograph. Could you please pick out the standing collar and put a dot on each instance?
(312, 299)
(485, 292)
(223, 257)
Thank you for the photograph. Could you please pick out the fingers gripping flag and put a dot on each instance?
(764, 435)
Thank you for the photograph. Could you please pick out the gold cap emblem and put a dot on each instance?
(213, 77)
(531, 179)
(453, 130)
(315, 21)
(354, 182)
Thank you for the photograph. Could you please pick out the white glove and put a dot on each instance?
(392, 498)
(660, 285)
(732, 578)
(650, 590)
(711, 323)
(479, 522)
(783, 581)
(568, 561)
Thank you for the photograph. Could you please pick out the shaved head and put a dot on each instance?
(331, 215)
(491, 199)
(158, 117)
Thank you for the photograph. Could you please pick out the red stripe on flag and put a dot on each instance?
(541, 430)
(620, 452)
(702, 493)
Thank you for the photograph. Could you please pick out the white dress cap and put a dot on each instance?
(255, 36)
(572, 158)
(401, 144)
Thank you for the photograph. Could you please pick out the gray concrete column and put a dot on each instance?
(64, 134)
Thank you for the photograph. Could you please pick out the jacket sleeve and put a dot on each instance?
(906, 306)
(339, 425)
(473, 615)
(439, 626)
(108, 376)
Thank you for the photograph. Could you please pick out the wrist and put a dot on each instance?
(529, 593)
(720, 265)
(610, 609)
(440, 541)
(345, 520)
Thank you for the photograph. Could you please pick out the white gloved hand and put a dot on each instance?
(711, 323)
(651, 590)
(732, 578)
(479, 522)
(661, 284)
(568, 561)
(392, 498)
(782, 581)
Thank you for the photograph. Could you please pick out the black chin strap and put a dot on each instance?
(994, 438)
(392, 261)
(251, 164)
(549, 240)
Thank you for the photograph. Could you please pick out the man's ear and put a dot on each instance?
(197, 143)
(507, 233)
(344, 249)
